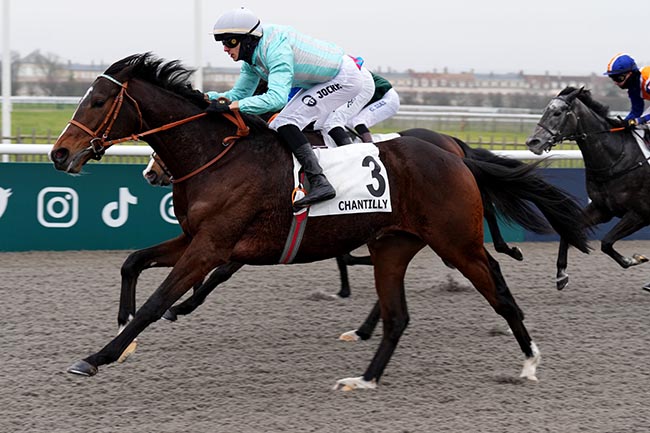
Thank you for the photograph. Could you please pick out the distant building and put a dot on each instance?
(42, 75)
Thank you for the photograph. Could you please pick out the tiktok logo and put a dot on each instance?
(121, 207)
(4, 199)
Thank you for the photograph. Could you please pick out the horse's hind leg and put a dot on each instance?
(364, 332)
(391, 255)
(485, 274)
(500, 244)
(218, 276)
(630, 223)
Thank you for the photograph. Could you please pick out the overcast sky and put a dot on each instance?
(558, 36)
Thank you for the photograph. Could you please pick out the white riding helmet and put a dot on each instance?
(237, 22)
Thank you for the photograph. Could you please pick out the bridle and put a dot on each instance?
(557, 136)
(98, 143)
(99, 137)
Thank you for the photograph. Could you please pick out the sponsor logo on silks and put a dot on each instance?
(328, 90)
(309, 100)
(4, 199)
(363, 204)
(377, 105)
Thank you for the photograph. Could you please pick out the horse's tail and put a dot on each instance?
(486, 155)
(511, 187)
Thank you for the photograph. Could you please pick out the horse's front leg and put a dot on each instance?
(593, 216)
(161, 255)
(343, 262)
(391, 255)
(364, 332)
(630, 223)
(165, 254)
(220, 275)
(191, 268)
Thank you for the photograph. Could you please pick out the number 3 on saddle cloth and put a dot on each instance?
(361, 183)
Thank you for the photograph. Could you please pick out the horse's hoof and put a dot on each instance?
(529, 371)
(517, 254)
(350, 336)
(352, 383)
(640, 258)
(646, 287)
(170, 315)
(128, 351)
(562, 282)
(82, 368)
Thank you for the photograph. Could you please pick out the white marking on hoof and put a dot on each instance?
(131, 347)
(128, 351)
(352, 383)
(530, 364)
(350, 336)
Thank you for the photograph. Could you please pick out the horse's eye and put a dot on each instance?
(98, 103)
(557, 113)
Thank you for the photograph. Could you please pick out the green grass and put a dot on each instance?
(43, 124)
(48, 120)
(37, 123)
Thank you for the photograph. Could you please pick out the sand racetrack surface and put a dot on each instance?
(262, 355)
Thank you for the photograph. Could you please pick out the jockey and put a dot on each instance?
(622, 69)
(383, 104)
(326, 77)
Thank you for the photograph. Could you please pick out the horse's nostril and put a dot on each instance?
(59, 155)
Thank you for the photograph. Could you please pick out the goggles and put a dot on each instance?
(619, 78)
(230, 42)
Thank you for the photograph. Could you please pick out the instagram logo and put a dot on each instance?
(57, 207)
(167, 209)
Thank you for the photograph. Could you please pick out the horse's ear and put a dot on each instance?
(571, 96)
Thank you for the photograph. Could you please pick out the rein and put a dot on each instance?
(99, 143)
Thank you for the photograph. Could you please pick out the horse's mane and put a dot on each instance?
(171, 75)
(585, 96)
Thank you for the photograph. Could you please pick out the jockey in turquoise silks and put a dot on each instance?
(326, 77)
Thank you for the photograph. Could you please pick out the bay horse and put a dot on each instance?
(617, 174)
(156, 174)
(232, 198)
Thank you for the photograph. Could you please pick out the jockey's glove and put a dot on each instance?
(631, 123)
(221, 105)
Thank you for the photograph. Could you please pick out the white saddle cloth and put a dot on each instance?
(358, 176)
(638, 133)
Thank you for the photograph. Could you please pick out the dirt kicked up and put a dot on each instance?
(261, 355)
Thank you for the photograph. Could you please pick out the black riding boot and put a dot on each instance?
(340, 136)
(319, 187)
(364, 133)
